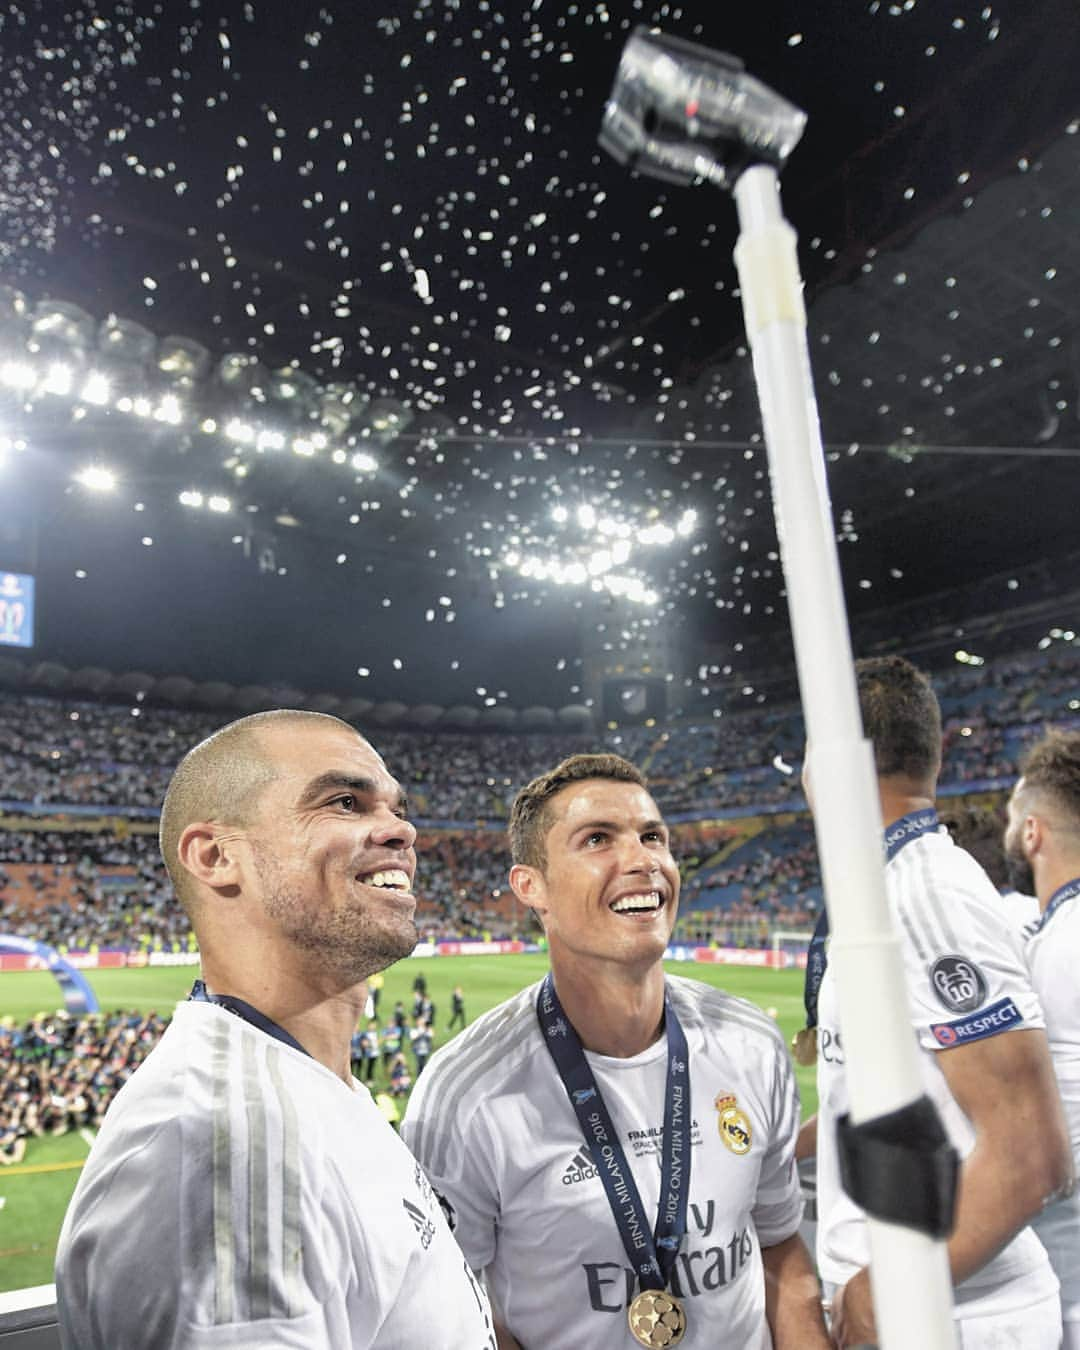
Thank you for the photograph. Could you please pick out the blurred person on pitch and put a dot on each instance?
(1042, 847)
(245, 1190)
(985, 1059)
(617, 1146)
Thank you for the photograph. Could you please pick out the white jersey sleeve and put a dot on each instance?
(779, 1205)
(446, 1129)
(964, 964)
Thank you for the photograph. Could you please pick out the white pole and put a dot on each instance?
(909, 1271)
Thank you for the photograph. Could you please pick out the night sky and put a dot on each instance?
(402, 214)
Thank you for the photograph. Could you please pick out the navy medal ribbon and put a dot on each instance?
(652, 1254)
(1069, 891)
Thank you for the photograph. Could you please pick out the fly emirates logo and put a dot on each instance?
(708, 1263)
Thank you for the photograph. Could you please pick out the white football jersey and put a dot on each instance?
(966, 980)
(491, 1122)
(242, 1195)
(1053, 955)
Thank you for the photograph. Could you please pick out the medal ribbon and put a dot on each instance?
(1069, 891)
(816, 961)
(652, 1254)
(245, 1011)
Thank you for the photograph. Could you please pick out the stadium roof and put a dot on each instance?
(494, 367)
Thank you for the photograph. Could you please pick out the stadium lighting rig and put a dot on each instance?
(590, 547)
(686, 114)
(56, 351)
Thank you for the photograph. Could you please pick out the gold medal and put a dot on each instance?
(804, 1046)
(657, 1318)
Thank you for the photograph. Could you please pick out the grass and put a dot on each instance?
(35, 1193)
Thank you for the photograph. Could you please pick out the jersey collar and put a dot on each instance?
(907, 828)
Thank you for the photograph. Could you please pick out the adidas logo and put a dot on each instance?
(581, 1168)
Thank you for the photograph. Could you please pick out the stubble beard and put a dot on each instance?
(349, 943)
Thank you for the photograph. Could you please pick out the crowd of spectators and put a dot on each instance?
(56, 751)
(60, 1073)
(79, 883)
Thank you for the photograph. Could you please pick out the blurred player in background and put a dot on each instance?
(617, 1146)
(245, 1190)
(1042, 844)
(978, 830)
(985, 1057)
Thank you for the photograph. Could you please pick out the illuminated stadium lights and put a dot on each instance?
(96, 478)
(169, 410)
(969, 658)
(95, 389)
(242, 432)
(269, 440)
(303, 446)
(364, 462)
(18, 375)
(58, 380)
(193, 498)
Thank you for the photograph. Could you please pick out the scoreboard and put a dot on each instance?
(16, 609)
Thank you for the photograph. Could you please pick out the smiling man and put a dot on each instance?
(616, 1146)
(245, 1191)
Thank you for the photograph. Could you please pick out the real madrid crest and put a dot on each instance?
(733, 1124)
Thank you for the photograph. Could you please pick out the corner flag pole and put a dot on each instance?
(681, 112)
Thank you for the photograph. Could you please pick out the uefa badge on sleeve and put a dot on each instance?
(734, 1126)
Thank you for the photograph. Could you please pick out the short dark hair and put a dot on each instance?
(979, 831)
(1052, 766)
(531, 815)
(900, 716)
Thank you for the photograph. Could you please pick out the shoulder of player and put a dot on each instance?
(712, 1009)
(493, 1042)
(933, 880)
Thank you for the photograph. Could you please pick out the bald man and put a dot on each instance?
(245, 1191)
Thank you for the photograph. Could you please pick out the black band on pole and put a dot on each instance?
(901, 1167)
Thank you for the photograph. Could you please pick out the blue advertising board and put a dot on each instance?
(16, 609)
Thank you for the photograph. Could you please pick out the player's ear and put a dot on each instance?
(209, 855)
(527, 883)
(1032, 834)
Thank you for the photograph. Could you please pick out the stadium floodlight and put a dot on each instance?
(364, 462)
(95, 388)
(221, 505)
(19, 375)
(97, 478)
(191, 497)
(685, 114)
(58, 380)
(169, 410)
(240, 431)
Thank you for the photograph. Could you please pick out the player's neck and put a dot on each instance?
(902, 797)
(322, 1024)
(1054, 874)
(615, 1010)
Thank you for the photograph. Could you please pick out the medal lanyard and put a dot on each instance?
(1069, 891)
(816, 961)
(652, 1254)
(243, 1010)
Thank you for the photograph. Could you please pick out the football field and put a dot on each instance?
(35, 1193)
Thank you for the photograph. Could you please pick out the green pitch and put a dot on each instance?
(34, 1194)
